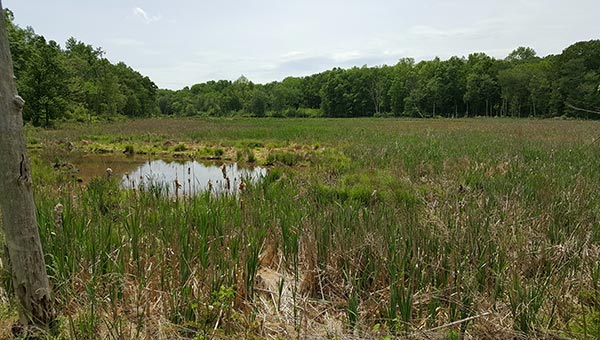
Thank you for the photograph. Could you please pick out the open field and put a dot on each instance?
(364, 228)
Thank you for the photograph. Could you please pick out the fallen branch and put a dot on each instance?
(457, 322)
(580, 109)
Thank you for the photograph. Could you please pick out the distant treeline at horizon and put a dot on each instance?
(78, 83)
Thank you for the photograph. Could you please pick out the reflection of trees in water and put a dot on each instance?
(95, 165)
(189, 178)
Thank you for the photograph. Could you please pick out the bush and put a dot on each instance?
(219, 152)
(180, 148)
(129, 150)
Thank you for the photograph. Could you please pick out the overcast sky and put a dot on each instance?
(179, 43)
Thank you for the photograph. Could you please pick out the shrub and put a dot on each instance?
(219, 152)
(129, 150)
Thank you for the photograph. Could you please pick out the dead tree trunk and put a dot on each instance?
(29, 277)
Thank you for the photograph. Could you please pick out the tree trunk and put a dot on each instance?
(46, 108)
(29, 276)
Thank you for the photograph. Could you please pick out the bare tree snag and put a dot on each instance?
(29, 277)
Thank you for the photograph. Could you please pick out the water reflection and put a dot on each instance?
(190, 178)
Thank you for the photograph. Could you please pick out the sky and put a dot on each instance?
(179, 43)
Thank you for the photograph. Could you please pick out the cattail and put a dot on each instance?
(224, 171)
(242, 186)
(373, 197)
(58, 211)
(177, 187)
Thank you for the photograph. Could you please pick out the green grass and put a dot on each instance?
(395, 225)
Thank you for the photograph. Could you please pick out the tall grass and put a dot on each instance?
(474, 227)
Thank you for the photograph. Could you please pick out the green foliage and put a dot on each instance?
(129, 149)
(251, 158)
(283, 157)
(453, 335)
(360, 194)
(179, 148)
(525, 301)
(587, 325)
(407, 224)
(223, 297)
(352, 309)
(521, 85)
(218, 152)
(78, 83)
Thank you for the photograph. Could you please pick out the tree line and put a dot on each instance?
(77, 82)
(520, 85)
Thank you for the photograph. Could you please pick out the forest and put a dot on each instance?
(78, 82)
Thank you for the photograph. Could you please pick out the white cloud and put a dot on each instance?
(125, 42)
(346, 55)
(293, 55)
(139, 12)
(429, 32)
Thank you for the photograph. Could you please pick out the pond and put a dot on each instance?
(192, 177)
(176, 177)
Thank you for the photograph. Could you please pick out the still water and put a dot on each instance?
(176, 176)
(191, 177)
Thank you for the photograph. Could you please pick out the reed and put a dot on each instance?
(389, 227)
